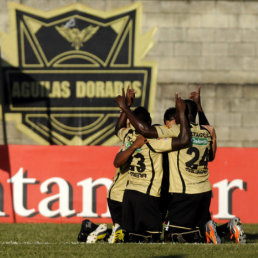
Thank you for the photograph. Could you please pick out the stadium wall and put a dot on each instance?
(213, 44)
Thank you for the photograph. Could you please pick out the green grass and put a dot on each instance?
(60, 240)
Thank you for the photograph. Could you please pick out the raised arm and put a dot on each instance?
(123, 156)
(212, 131)
(141, 127)
(183, 138)
(196, 97)
(121, 122)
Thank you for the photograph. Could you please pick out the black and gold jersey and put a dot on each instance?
(189, 166)
(145, 169)
(116, 190)
(164, 132)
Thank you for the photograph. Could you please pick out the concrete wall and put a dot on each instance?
(209, 43)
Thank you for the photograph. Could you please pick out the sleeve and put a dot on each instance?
(160, 145)
(122, 133)
(164, 132)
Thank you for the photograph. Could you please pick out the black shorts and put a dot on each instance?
(115, 209)
(189, 210)
(141, 214)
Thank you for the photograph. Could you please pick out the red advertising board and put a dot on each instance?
(65, 184)
(233, 175)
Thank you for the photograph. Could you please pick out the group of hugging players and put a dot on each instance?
(161, 183)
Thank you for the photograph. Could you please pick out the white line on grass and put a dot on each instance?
(38, 243)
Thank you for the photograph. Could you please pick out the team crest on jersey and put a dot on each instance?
(63, 68)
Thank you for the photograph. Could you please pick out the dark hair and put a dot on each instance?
(143, 114)
(191, 109)
(170, 114)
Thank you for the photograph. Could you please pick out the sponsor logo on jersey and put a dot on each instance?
(199, 141)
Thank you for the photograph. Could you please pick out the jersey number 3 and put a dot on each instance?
(140, 167)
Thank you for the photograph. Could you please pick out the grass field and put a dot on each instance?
(60, 240)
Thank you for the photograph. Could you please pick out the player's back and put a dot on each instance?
(145, 169)
(189, 167)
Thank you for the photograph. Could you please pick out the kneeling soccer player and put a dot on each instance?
(141, 213)
(116, 191)
(189, 219)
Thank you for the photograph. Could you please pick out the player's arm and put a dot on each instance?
(183, 138)
(196, 97)
(213, 143)
(121, 122)
(141, 127)
(123, 156)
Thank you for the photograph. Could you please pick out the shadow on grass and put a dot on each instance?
(172, 256)
(252, 238)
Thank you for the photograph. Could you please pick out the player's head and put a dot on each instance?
(191, 110)
(142, 114)
(170, 117)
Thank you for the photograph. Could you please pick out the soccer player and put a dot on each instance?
(169, 120)
(233, 228)
(90, 232)
(141, 214)
(116, 191)
(189, 217)
(191, 191)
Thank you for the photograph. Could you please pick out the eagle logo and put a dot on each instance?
(75, 36)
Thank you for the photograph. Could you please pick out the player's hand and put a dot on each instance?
(130, 94)
(196, 96)
(180, 104)
(120, 100)
(211, 130)
(140, 140)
